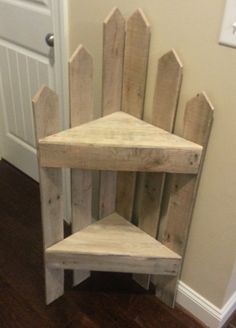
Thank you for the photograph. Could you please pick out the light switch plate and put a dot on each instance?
(228, 28)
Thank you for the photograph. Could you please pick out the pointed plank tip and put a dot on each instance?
(171, 56)
(115, 14)
(201, 102)
(139, 16)
(198, 119)
(79, 52)
(205, 98)
(42, 92)
(177, 58)
(45, 113)
(137, 43)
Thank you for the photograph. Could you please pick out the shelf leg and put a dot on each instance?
(166, 288)
(54, 284)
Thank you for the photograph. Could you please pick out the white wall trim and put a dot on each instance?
(202, 309)
(61, 48)
(228, 308)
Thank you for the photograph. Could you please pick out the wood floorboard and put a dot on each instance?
(231, 323)
(108, 300)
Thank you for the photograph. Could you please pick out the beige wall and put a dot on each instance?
(192, 28)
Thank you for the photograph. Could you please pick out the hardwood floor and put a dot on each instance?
(231, 323)
(105, 300)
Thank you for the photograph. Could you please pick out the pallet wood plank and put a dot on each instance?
(114, 244)
(150, 185)
(120, 141)
(81, 86)
(126, 182)
(71, 261)
(81, 111)
(107, 193)
(166, 287)
(168, 83)
(167, 89)
(113, 57)
(134, 82)
(180, 190)
(46, 120)
(137, 42)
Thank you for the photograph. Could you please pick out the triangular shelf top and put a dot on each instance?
(113, 241)
(120, 142)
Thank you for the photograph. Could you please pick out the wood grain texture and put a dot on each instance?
(113, 244)
(104, 300)
(166, 287)
(122, 142)
(231, 322)
(168, 83)
(81, 111)
(81, 86)
(126, 182)
(167, 89)
(135, 63)
(134, 82)
(113, 57)
(107, 193)
(150, 185)
(180, 189)
(46, 119)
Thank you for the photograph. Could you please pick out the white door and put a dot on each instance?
(26, 63)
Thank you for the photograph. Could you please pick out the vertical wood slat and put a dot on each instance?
(136, 54)
(81, 111)
(46, 118)
(180, 191)
(137, 42)
(113, 57)
(150, 185)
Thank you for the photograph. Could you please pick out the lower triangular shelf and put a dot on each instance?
(113, 244)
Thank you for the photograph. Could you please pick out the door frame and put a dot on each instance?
(61, 48)
(59, 12)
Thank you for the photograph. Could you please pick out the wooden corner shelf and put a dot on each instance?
(133, 158)
(113, 244)
(120, 142)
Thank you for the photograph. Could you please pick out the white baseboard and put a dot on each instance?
(202, 309)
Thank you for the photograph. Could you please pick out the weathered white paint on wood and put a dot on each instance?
(125, 191)
(135, 63)
(113, 244)
(180, 189)
(81, 111)
(113, 57)
(120, 141)
(107, 194)
(46, 116)
(81, 86)
(165, 102)
(134, 82)
(150, 185)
